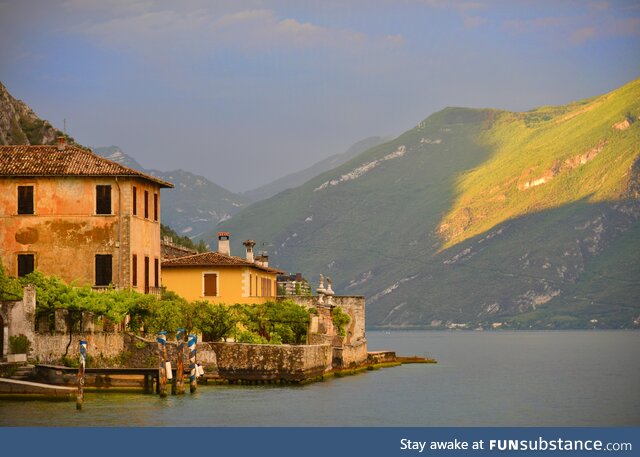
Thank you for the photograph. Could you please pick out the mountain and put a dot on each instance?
(477, 217)
(194, 206)
(20, 125)
(298, 178)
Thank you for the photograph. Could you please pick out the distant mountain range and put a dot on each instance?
(473, 218)
(477, 217)
(296, 179)
(194, 206)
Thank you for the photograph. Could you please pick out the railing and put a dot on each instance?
(157, 291)
(102, 289)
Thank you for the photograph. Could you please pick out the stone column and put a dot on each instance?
(22, 319)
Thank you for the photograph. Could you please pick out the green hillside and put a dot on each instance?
(476, 217)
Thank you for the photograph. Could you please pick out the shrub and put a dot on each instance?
(340, 320)
(19, 344)
(246, 336)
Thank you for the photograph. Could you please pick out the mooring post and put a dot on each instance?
(162, 370)
(192, 363)
(179, 382)
(83, 361)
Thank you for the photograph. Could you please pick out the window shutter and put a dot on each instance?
(103, 199)
(210, 286)
(103, 269)
(134, 270)
(25, 199)
(155, 207)
(135, 200)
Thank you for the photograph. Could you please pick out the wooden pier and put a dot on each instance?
(101, 378)
(27, 389)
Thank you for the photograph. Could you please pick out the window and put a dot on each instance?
(250, 286)
(146, 204)
(156, 273)
(25, 264)
(134, 270)
(210, 284)
(155, 207)
(103, 199)
(103, 269)
(146, 275)
(134, 204)
(266, 287)
(25, 199)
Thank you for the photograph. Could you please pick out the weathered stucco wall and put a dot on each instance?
(65, 233)
(236, 284)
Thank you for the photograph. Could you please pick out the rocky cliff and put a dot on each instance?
(20, 125)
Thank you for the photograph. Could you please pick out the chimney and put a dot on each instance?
(263, 260)
(223, 243)
(61, 143)
(249, 244)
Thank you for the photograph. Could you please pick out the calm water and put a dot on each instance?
(575, 378)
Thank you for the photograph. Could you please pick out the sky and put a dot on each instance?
(244, 92)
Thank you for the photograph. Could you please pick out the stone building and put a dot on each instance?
(68, 212)
(220, 277)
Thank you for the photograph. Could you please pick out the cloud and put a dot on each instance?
(248, 30)
(598, 21)
(599, 6)
(472, 22)
(583, 34)
(534, 25)
(464, 9)
(263, 30)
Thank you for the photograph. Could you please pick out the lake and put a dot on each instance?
(493, 378)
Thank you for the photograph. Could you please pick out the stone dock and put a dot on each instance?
(59, 382)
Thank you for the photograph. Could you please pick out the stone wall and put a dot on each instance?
(322, 330)
(350, 356)
(18, 317)
(263, 362)
(48, 348)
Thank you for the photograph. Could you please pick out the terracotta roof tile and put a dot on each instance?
(213, 259)
(48, 160)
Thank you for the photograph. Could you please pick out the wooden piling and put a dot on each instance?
(162, 369)
(179, 380)
(192, 363)
(81, 367)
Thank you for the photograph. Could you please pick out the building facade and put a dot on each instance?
(67, 212)
(219, 277)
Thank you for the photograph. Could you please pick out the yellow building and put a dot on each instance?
(221, 278)
(67, 212)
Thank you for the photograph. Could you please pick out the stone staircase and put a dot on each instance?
(23, 373)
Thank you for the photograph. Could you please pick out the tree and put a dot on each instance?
(10, 288)
(216, 322)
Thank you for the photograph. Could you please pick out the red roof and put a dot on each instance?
(48, 160)
(214, 259)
